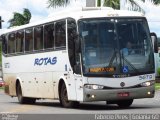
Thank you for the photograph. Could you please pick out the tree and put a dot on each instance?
(110, 3)
(156, 1)
(20, 19)
(116, 3)
(55, 3)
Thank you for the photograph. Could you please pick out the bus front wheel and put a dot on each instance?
(21, 99)
(64, 98)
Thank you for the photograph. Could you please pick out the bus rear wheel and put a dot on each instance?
(64, 98)
(124, 103)
(21, 99)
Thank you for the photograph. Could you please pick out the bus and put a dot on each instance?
(157, 61)
(76, 56)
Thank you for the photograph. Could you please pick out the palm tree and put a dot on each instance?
(116, 3)
(110, 3)
(156, 1)
(136, 7)
(20, 19)
(55, 3)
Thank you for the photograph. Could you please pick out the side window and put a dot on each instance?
(20, 41)
(38, 38)
(49, 36)
(11, 43)
(4, 44)
(60, 34)
(71, 29)
(29, 39)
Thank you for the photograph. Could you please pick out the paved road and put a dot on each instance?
(145, 109)
(11, 105)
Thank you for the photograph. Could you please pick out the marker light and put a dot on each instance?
(95, 87)
(92, 96)
(148, 93)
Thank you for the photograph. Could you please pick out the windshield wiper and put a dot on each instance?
(124, 59)
(112, 58)
(130, 64)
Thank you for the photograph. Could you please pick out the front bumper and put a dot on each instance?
(112, 94)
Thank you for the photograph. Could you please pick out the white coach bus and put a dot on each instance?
(79, 56)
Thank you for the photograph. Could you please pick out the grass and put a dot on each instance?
(157, 86)
(1, 88)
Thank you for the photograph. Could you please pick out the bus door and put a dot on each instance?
(79, 87)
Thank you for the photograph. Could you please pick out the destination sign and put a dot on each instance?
(103, 69)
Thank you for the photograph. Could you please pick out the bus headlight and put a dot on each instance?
(95, 87)
(148, 83)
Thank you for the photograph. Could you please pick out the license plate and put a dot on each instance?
(123, 94)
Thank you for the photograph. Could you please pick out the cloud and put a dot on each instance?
(7, 7)
(154, 20)
(38, 9)
(152, 15)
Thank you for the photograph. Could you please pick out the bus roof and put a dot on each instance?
(79, 13)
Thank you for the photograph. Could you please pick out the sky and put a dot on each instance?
(151, 13)
(39, 11)
(153, 16)
(38, 8)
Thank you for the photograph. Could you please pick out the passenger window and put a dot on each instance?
(4, 44)
(20, 41)
(38, 38)
(60, 34)
(49, 36)
(29, 39)
(11, 43)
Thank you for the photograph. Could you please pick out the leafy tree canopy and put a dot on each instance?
(20, 19)
(55, 3)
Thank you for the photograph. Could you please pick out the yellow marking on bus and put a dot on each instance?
(103, 69)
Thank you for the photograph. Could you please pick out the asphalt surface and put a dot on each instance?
(46, 108)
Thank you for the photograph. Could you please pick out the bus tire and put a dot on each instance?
(30, 100)
(124, 103)
(21, 99)
(64, 98)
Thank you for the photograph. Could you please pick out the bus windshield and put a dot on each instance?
(116, 46)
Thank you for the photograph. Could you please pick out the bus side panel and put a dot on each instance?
(71, 86)
(10, 83)
(69, 82)
(79, 87)
(37, 85)
(46, 86)
(38, 72)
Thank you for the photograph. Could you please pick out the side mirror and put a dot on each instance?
(154, 42)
